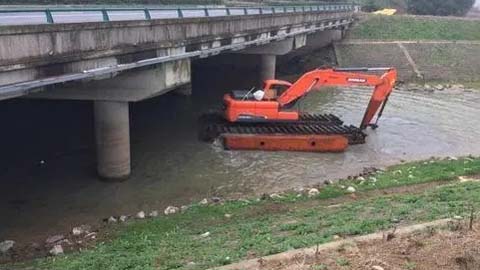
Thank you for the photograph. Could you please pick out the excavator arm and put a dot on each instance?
(383, 86)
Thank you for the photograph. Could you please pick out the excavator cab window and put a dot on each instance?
(275, 88)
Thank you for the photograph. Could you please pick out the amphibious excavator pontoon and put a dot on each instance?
(267, 119)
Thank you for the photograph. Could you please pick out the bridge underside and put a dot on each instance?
(111, 92)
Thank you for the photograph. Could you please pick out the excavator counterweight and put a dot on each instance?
(264, 119)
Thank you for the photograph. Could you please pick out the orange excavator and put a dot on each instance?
(266, 119)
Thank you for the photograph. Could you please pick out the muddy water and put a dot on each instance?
(171, 167)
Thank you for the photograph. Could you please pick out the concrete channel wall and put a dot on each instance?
(416, 60)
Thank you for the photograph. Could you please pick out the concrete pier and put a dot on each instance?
(267, 67)
(112, 136)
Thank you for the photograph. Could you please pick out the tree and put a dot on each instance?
(370, 6)
(440, 7)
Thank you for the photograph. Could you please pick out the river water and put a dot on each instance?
(47, 175)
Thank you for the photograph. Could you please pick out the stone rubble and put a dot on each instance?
(112, 219)
(313, 192)
(54, 239)
(154, 213)
(82, 229)
(6, 245)
(204, 235)
(351, 189)
(56, 250)
(140, 215)
(171, 210)
(275, 196)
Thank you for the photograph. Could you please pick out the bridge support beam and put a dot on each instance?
(112, 137)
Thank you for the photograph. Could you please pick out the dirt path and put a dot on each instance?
(452, 248)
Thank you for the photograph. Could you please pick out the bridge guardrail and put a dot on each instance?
(80, 15)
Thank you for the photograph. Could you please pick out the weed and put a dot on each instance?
(319, 267)
(410, 266)
(342, 262)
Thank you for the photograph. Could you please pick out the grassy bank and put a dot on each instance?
(415, 28)
(263, 227)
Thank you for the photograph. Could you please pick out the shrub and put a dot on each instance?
(440, 7)
(370, 6)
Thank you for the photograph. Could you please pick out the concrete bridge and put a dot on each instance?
(114, 62)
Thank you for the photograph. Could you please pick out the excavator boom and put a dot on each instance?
(316, 79)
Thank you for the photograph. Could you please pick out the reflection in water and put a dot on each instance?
(172, 167)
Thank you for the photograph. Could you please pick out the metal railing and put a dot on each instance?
(79, 15)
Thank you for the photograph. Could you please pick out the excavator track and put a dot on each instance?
(214, 126)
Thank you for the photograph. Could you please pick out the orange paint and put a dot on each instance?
(303, 143)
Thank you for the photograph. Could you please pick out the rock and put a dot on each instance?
(336, 237)
(360, 178)
(452, 158)
(171, 210)
(427, 87)
(55, 238)
(373, 179)
(112, 219)
(439, 87)
(35, 246)
(204, 235)
(56, 250)
(458, 86)
(91, 235)
(328, 182)
(313, 192)
(203, 202)
(140, 215)
(81, 230)
(299, 189)
(6, 245)
(377, 267)
(275, 196)
(123, 218)
(228, 215)
(154, 213)
(351, 189)
(457, 217)
(216, 199)
(343, 187)
(184, 208)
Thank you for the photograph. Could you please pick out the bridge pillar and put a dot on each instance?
(112, 136)
(267, 67)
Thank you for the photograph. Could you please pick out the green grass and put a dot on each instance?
(263, 227)
(415, 28)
